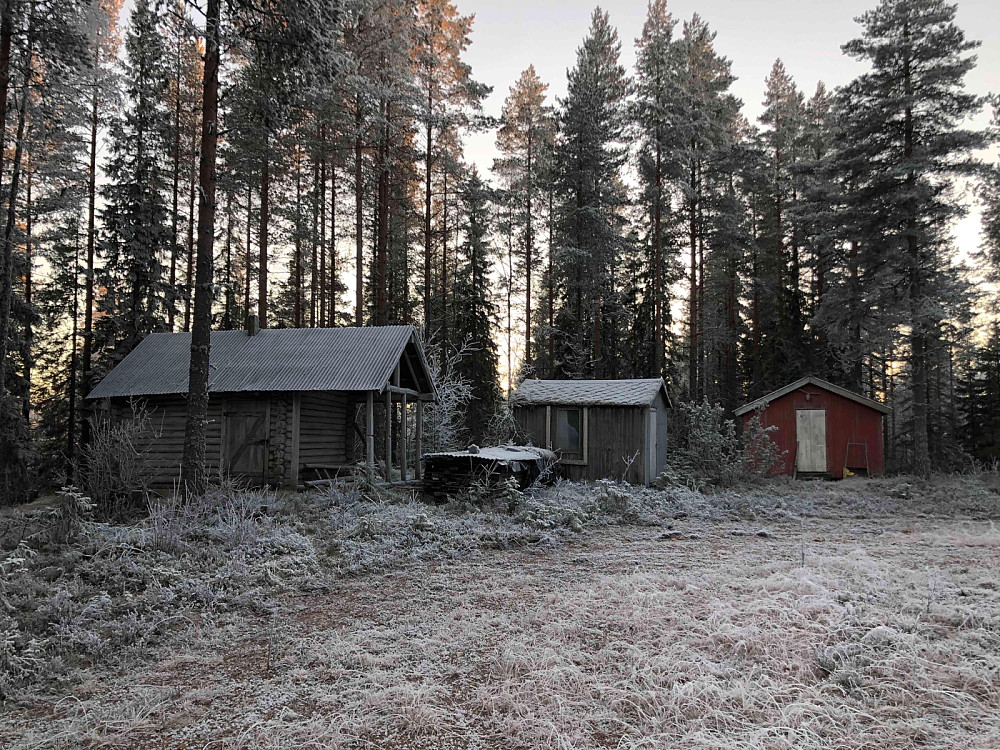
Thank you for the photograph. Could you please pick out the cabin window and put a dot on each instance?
(569, 434)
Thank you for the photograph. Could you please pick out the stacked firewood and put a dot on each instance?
(452, 472)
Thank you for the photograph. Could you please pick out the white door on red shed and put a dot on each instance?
(810, 441)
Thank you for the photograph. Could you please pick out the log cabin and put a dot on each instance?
(598, 428)
(285, 405)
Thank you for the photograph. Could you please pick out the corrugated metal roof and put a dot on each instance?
(275, 359)
(819, 383)
(590, 392)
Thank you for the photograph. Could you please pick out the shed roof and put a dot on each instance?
(819, 383)
(273, 359)
(590, 392)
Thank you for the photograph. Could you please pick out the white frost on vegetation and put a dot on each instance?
(867, 615)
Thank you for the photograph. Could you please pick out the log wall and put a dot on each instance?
(163, 440)
(324, 426)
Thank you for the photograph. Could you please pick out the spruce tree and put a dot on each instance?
(590, 226)
(475, 325)
(906, 118)
(136, 238)
(979, 396)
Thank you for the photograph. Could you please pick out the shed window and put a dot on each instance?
(570, 426)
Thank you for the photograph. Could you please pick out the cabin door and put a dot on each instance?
(810, 447)
(245, 428)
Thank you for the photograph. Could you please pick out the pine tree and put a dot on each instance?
(784, 348)
(448, 98)
(658, 94)
(705, 123)
(183, 103)
(524, 142)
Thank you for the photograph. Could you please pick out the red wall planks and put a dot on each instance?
(846, 422)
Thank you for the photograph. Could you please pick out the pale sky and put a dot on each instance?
(508, 35)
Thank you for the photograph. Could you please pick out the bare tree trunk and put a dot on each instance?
(88, 304)
(855, 316)
(190, 242)
(227, 316)
(7, 269)
(314, 236)
(171, 306)
(444, 257)
(248, 261)
(265, 189)
(74, 335)
(359, 225)
(334, 258)
(529, 247)
(918, 335)
(193, 469)
(297, 263)
(321, 226)
(333, 242)
(29, 260)
(551, 285)
(693, 298)
(381, 281)
(428, 162)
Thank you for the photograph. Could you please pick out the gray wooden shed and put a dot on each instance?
(285, 405)
(598, 428)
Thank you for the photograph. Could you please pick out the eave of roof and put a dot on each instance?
(273, 360)
(819, 383)
(636, 392)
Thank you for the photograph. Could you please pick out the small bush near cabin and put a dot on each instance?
(117, 471)
(709, 450)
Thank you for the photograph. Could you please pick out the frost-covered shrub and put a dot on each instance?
(503, 428)
(444, 420)
(68, 513)
(117, 470)
(19, 657)
(708, 449)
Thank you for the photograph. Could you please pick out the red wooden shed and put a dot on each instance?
(825, 430)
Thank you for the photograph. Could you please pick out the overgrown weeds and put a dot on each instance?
(78, 593)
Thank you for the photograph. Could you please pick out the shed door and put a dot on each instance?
(810, 431)
(245, 429)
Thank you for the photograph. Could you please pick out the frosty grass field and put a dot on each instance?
(789, 615)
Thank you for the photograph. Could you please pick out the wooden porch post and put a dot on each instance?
(402, 440)
(370, 431)
(417, 470)
(388, 435)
